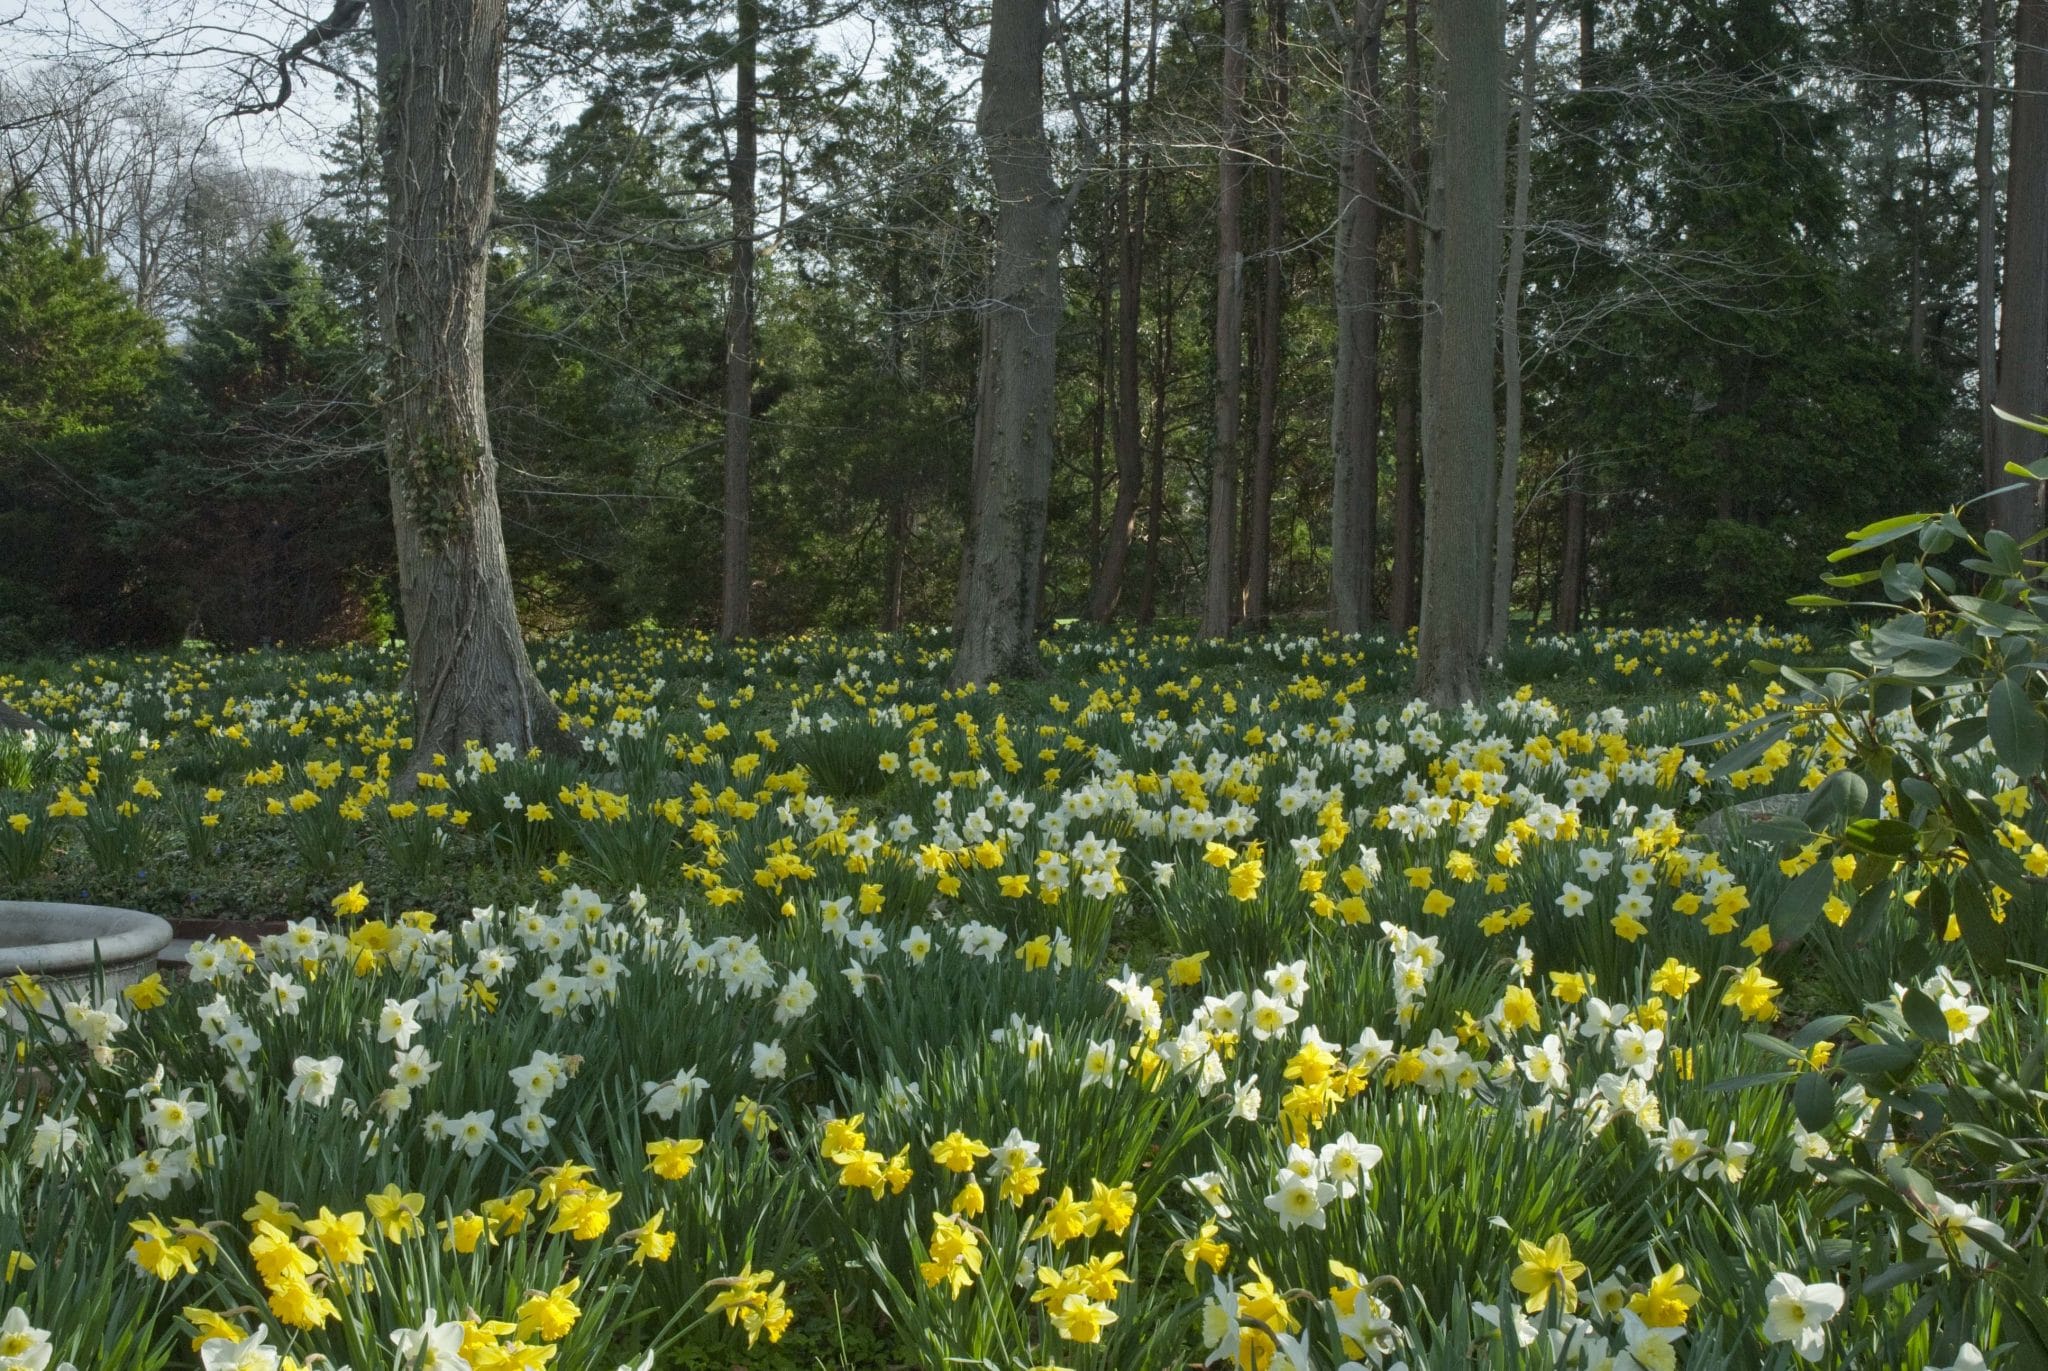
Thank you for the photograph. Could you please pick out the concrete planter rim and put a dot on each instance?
(49, 939)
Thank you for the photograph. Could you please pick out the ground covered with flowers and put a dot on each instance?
(1196, 1004)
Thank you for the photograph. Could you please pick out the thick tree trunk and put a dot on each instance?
(1223, 456)
(734, 620)
(1511, 353)
(1000, 590)
(437, 79)
(2023, 312)
(1130, 456)
(1355, 395)
(1988, 79)
(1408, 344)
(1258, 552)
(1458, 443)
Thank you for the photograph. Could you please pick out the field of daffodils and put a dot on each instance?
(1195, 1005)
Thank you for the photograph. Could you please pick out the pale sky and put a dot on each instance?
(212, 50)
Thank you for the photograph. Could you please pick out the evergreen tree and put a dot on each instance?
(261, 512)
(78, 360)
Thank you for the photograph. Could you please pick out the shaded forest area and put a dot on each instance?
(739, 314)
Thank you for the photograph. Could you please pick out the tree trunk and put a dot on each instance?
(1458, 442)
(1571, 564)
(1511, 351)
(1000, 591)
(1408, 344)
(896, 561)
(734, 616)
(1130, 456)
(2023, 311)
(1355, 395)
(1223, 456)
(1258, 554)
(1988, 78)
(437, 79)
(1103, 412)
(1155, 513)
(977, 475)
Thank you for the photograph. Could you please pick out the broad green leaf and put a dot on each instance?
(1886, 837)
(1983, 935)
(1798, 906)
(1877, 1061)
(1813, 1100)
(1818, 1030)
(1924, 1017)
(2018, 732)
(2004, 552)
(1990, 1140)
(1903, 580)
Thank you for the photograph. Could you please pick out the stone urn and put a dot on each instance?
(63, 946)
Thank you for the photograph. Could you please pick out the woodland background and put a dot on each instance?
(1758, 245)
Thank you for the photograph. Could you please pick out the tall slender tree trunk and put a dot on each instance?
(437, 88)
(1511, 349)
(1988, 80)
(734, 620)
(1355, 395)
(1000, 591)
(1223, 456)
(1408, 342)
(1104, 416)
(1155, 513)
(1258, 554)
(1130, 456)
(1458, 444)
(1571, 562)
(1572, 541)
(896, 561)
(977, 475)
(2023, 310)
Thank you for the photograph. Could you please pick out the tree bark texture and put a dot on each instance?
(1155, 512)
(1108, 588)
(1355, 396)
(1218, 594)
(1571, 566)
(1511, 352)
(1988, 80)
(1408, 343)
(1000, 590)
(1458, 442)
(437, 75)
(2023, 308)
(1258, 553)
(734, 620)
